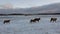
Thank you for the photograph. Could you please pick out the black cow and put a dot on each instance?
(53, 19)
(34, 20)
(6, 21)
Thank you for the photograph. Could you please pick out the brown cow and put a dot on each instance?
(53, 19)
(6, 21)
(34, 20)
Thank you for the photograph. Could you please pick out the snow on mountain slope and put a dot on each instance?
(51, 8)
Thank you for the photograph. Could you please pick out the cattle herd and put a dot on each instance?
(32, 20)
(37, 19)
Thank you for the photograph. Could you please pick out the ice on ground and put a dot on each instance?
(22, 25)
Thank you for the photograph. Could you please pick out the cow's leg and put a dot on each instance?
(38, 20)
(4, 22)
(9, 22)
(50, 20)
(55, 21)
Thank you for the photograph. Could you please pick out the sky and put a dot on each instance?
(25, 3)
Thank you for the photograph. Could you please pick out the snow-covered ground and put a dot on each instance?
(22, 25)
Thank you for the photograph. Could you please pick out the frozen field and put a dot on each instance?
(22, 25)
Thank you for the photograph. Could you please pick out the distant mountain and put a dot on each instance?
(51, 8)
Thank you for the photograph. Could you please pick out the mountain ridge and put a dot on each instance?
(51, 8)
